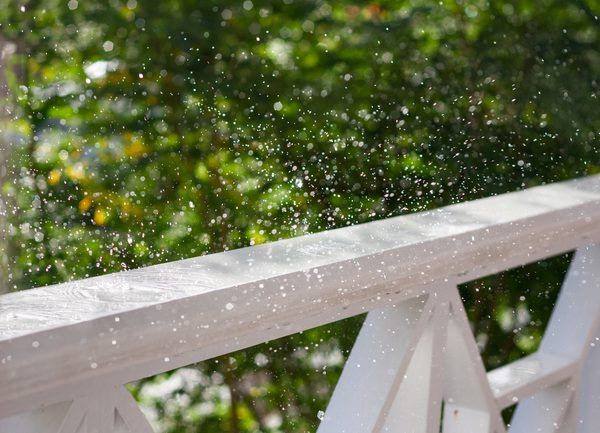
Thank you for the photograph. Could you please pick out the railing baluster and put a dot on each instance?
(469, 403)
(589, 396)
(571, 417)
(100, 415)
(416, 349)
(130, 412)
(588, 418)
(74, 418)
(405, 389)
(94, 413)
(64, 417)
(569, 333)
(544, 412)
(416, 407)
(375, 368)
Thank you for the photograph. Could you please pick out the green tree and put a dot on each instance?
(146, 132)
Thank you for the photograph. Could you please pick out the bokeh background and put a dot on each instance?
(136, 132)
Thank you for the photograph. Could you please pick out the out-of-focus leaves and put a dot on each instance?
(143, 132)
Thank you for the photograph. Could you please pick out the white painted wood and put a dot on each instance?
(397, 366)
(105, 410)
(57, 341)
(405, 387)
(74, 418)
(588, 418)
(568, 336)
(100, 413)
(576, 315)
(416, 407)
(375, 368)
(47, 418)
(572, 418)
(81, 341)
(469, 406)
(441, 361)
(130, 413)
(543, 412)
(520, 379)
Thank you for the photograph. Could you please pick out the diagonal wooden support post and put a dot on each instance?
(469, 403)
(408, 344)
(376, 367)
(588, 419)
(107, 410)
(570, 336)
(233, 300)
(417, 404)
(406, 360)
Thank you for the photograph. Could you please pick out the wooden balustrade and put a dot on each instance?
(66, 350)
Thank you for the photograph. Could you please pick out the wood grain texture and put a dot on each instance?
(57, 341)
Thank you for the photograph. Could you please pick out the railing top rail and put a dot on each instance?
(136, 323)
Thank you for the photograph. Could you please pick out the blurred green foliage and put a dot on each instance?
(142, 132)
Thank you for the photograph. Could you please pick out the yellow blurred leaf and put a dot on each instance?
(135, 148)
(85, 204)
(100, 217)
(54, 177)
(76, 172)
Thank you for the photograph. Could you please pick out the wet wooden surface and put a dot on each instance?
(124, 326)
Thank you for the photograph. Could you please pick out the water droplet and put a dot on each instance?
(229, 306)
(321, 415)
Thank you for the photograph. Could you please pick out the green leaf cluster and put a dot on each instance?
(143, 132)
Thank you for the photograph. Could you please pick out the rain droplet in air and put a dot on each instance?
(321, 415)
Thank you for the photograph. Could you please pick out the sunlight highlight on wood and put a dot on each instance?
(415, 361)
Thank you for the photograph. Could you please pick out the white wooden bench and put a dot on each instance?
(66, 350)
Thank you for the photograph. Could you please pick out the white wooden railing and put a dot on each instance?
(67, 350)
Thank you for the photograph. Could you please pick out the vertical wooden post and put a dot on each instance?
(570, 335)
